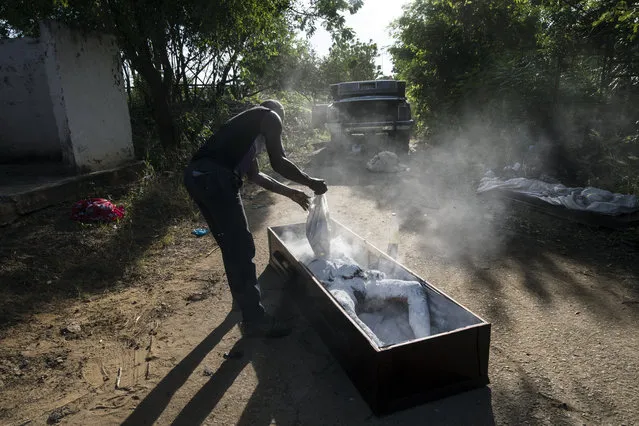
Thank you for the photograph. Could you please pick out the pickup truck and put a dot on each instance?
(366, 108)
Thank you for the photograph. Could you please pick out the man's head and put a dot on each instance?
(274, 106)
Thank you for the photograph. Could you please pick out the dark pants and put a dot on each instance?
(216, 193)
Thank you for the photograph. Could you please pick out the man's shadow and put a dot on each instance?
(150, 409)
(299, 382)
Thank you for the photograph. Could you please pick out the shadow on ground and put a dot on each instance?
(299, 382)
(556, 262)
(150, 409)
(46, 257)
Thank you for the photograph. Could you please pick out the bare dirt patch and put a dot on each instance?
(145, 305)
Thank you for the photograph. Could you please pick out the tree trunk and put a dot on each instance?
(557, 78)
(164, 122)
(161, 101)
(137, 49)
(221, 85)
(161, 108)
(128, 76)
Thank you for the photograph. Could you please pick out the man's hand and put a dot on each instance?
(300, 198)
(318, 186)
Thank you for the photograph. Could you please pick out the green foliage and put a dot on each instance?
(350, 60)
(174, 45)
(291, 72)
(444, 47)
(290, 65)
(549, 72)
(298, 134)
(191, 65)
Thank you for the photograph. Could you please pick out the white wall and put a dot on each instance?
(89, 99)
(62, 97)
(27, 124)
(56, 96)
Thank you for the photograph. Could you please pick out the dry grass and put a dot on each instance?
(46, 256)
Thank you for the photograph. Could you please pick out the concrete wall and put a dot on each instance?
(56, 96)
(88, 97)
(27, 124)
(63, 97)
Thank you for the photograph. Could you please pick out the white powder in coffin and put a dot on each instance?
(372, 320)
(401, 319)
(409, 291)
(389, 322)
(347, 271)
(386, 323)
(390, 306)
(323, 270)
(343, 290)
(299, 247)
(346, 299)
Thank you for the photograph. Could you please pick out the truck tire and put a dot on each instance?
(401, 139)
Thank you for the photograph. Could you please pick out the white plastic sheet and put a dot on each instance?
(318, 227)
(586, 199)
(384, 162)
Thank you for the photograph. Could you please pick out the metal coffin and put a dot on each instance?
(389, 378)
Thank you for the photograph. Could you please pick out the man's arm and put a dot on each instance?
(273, 185)
(272, 129)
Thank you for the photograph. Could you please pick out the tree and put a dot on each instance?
(350, 60)
(293, 65)
(566, 71)
(444, 46)
(169, 42)
(290, 65)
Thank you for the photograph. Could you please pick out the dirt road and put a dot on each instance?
(562, 298)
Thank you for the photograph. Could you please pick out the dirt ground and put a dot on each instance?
(131, 324)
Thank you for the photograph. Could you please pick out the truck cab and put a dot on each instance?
(367, 108)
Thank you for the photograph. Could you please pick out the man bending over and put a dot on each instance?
(213, 179)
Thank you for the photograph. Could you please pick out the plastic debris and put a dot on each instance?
(318, 228)
(199, 232)
(588, 199)
(384, 162)
(73, 328)
(96, 210)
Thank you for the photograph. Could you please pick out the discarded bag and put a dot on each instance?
(96, 210)
(318, 228)
(384, 162)
(199, 232)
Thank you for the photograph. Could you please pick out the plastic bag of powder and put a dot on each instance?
(318, 229)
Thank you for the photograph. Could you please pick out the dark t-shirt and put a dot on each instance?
(233, 144)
